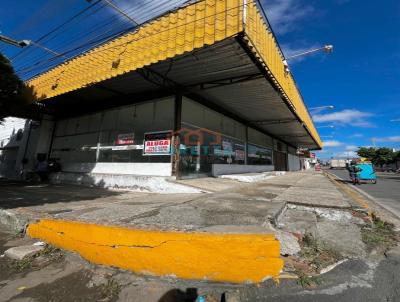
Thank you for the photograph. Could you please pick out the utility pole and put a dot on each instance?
(13, 42)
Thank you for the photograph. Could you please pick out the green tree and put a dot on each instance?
(384, 156)
(378, 156)
(366, 152)
(15, 96)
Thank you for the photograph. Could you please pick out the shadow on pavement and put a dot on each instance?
(177, 295)
(14, 194)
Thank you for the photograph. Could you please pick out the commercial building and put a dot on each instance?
(199, 91)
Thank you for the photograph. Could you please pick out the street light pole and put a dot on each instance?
(13, 42)
(326, 48)
(24, 43)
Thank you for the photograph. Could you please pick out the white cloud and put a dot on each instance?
(356, 135)
(346, 154)
(284, 15)
(389, 139)
(351, 117)
(351, 148)
(332, 143)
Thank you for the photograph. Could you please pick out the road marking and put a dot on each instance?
(235, 258)
(353, 195)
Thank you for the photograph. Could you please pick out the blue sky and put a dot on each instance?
(361, 78)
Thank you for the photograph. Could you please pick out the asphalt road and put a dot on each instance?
(352, 281)
(386, 191)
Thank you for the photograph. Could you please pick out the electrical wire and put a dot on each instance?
(115, 29)
(131, 41)
(60, 26)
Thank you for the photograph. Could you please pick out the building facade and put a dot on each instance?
(199, 91)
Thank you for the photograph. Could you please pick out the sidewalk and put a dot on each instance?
(234, 203)
(230, 231)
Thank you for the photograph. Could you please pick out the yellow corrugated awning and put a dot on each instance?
(187, 29)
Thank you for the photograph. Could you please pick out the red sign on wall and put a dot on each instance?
(126, 139)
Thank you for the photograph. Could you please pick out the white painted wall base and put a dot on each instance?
(157, 184)
(222, 169)
(150, 169)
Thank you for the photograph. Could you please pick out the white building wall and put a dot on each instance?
(13, 134)
(150, 169)
(293, 162)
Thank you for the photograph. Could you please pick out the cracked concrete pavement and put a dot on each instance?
(235, 204)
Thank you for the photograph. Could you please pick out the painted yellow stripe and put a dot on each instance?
(233, 258)
(357, 197)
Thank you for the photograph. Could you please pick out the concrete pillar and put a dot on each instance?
(175, 158)
(246, 145)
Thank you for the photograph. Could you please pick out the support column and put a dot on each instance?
(246, 145)
(175, 158)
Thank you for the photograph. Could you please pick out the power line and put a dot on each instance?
(45, 48)
(59, 26)
(123, 43)
(57, 48)
(101, 38)
(120, 11)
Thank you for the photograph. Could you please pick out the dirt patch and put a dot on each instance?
(317, 253)
(314, 256)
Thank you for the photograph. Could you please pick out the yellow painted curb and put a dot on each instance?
(233, 258)
(357, 197)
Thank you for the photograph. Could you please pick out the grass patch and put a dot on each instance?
(21, 265)
(306, 281)
(379, 234)
(317, 253)
(314, 256)
(110, 289)
(49, 253)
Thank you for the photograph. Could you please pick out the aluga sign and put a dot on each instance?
(157, 143)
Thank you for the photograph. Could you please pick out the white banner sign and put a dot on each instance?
(157, 147)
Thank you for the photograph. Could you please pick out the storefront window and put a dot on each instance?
(208, 137)
(259, 155)
(114, 135)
